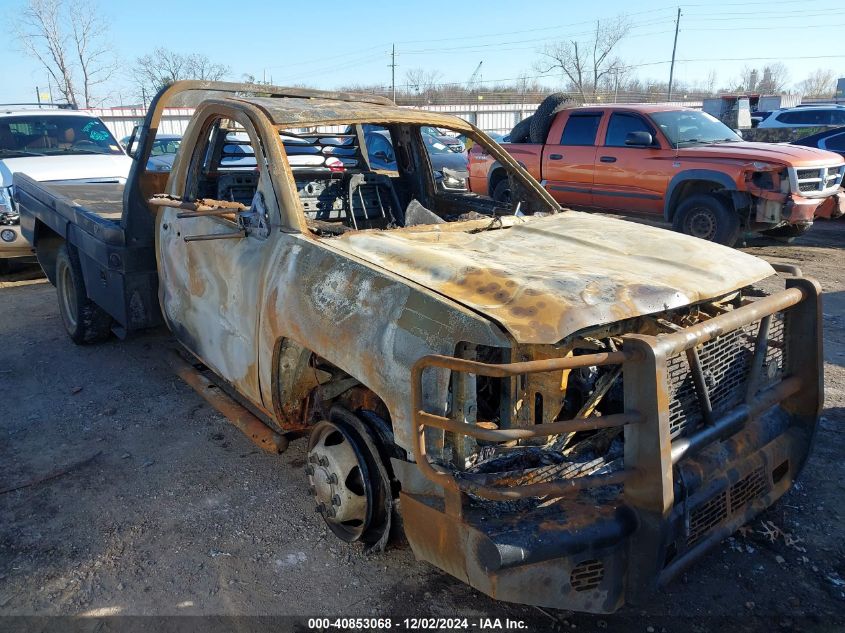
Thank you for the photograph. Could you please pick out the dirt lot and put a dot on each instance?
(179, 514)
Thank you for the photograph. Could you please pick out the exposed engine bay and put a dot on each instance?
(594, 392)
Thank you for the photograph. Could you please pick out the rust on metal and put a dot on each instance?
(258, 432)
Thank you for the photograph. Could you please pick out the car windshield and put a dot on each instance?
(690, 127)
(47, 135)
(434, 145)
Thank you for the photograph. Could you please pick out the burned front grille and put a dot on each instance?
(726, 364)
(747, 489)
(587, 575)
(707, 516)
(718, 508)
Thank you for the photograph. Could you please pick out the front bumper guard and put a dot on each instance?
(650, 455)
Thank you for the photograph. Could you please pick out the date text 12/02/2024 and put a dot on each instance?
(414, 624)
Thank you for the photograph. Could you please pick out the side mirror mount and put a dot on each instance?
(639, 139)
(132, 138)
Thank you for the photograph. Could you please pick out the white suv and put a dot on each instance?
(805, 116)
(51, 144)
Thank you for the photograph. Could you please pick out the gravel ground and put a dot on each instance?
(177, 513)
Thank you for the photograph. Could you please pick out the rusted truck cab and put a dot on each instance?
(565, 410)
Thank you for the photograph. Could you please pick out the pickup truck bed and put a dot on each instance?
(95, 207)
(120, 276)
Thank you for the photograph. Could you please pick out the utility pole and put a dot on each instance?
(674, 47)
(38, 95)
(393, 72)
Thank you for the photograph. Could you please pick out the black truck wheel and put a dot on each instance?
(542, 118)
(84, 321)
(787, 233)
(521, 132)
(707, 217)
(502, 191)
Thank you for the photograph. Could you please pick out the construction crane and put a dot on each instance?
(475, 77)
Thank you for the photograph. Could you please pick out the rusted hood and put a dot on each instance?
(545, 278)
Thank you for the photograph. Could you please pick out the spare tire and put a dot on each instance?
(542, 118)
(521, 132)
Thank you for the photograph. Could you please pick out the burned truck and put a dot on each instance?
(557, 408)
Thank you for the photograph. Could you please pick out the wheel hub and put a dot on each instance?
(702, 224)
(340, 480)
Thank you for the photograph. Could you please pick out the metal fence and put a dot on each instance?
(499, 117)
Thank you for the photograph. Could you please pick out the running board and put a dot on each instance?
(251, 426)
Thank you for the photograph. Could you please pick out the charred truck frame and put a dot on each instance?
(565, 410)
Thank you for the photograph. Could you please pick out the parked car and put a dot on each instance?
(452, 142)
(758, 116)
(679, 164)
(450, 167)
(805, 116)
(163, 151)
(830, 140)
(51, 145)
(565, 409)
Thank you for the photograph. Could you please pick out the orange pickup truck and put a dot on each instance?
(680, 163)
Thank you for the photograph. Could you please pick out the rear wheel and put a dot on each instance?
(84, 321)
(787, 233)
(349, 481)
(708, 217)
(502, 191)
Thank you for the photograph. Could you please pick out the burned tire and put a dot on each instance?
(787, 233)
(542, 118)
(521, 132)
(84, 321)
(707, 217)
(502, 191)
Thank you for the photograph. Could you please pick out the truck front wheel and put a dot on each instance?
(83, 320)
(707, 217)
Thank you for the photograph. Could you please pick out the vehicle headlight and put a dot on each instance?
(458, 148)
(8, 235)
(452, 180)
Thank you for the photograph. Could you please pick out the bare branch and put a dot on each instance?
(38, 29)
(163, 66)
(587, 64)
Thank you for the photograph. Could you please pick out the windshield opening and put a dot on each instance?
(48, 135)
(375, 175)
(691, 127)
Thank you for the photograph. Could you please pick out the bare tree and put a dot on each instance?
(586, 64)
(774, 79)
(710, 82)
(94, 54)
(39, 29)
(163, 66)
(820, 83)
(422, 81)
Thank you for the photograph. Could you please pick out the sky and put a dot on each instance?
(329, 44)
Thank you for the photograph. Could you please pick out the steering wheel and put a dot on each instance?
(84, 142)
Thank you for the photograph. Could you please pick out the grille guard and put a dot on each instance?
(649, 450)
